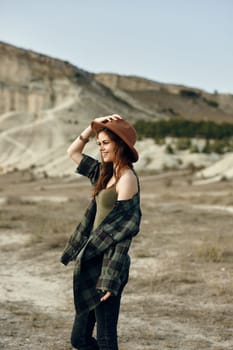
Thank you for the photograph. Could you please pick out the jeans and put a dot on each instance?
(105, 315)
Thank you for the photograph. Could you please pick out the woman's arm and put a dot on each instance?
(77, 146)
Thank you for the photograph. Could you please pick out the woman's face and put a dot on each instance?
(107, 147)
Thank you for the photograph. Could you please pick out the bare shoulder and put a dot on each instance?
(127, 185)
(128, 176)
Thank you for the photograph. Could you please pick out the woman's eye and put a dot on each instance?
(103, 143)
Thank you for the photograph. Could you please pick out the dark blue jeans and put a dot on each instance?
(105, 315)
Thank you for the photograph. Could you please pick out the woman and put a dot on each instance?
(100, 243)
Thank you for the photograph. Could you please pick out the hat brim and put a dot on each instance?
(109, 125)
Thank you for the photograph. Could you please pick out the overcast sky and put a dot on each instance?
(186, 42)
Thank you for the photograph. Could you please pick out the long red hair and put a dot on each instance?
(123, 159)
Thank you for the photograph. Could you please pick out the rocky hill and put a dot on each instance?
(171, 100)
(46, 102)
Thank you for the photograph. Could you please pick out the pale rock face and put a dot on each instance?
(222, 169)
(31, 82)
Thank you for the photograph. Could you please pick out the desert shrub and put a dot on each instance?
(194, 149)
(207, 147)
(218, 146)
(183, 144)
(160, 140)
(221, 146)
(169, 149)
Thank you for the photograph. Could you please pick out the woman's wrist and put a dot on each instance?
(84, 139)
(86, 134)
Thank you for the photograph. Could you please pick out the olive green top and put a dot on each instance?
(105, 201)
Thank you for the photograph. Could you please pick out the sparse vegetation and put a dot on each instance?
(169, 149)
(184, 128)
(194, 149)
(193, 95)
(190, 93)
(211, 253)
(183, 143)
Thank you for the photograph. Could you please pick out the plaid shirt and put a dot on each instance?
(101, 255)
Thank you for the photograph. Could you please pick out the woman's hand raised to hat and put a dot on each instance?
(107, 118)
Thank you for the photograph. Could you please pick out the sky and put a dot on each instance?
(188, 42)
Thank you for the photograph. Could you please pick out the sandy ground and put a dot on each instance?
(180, 291)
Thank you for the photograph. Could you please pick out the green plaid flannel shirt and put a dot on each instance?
(101, 255)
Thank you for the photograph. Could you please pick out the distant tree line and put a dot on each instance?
(183, 128)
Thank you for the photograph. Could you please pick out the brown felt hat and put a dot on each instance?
(121, 128)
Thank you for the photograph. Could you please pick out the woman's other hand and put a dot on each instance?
(106, 296)
(107, 118)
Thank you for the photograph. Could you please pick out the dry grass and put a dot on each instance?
(49, 225)
(211, 253)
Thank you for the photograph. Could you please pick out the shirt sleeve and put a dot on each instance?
(90, 168)
(115, 268)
